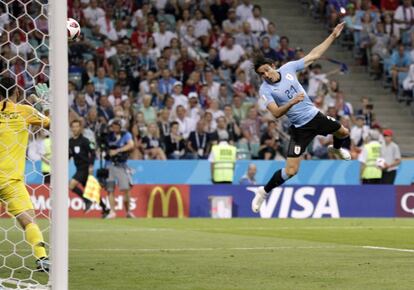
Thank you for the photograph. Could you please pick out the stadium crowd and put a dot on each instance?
(177, 74)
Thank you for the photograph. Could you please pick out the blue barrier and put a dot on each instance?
(312, 172)
(301, 201)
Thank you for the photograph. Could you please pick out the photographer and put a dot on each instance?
(118, 145)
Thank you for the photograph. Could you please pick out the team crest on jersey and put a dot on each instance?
(77, 149)
(296, 149)
(289, 77)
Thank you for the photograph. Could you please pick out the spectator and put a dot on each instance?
(224, 97)
(184, 122)
(163, 37)
(202, 26)
(179, 98)
(400, 62)
(80, 106)
(117, 96)
(390, 151)
(343, 107)
(140, 35)
(285, 53)
(249, 178)
(90, 94)
(213, 87)
(246, 38)
(239, 108)
(250, 128)
(220, 12)
(274, 38)
(403, 18)
(93, 13)
(244, 10)
(103, 84)
(149, 112)
(381, 44)
(232, 25)
(194, 111)
(166, 83)
(197, 145)
(231, 53)
(174, 143)
(105, 110)
(267, 51)
(269, 142)
(320, 146)
(152, 144)
(316, 79)
(257, 22)
(367, 112)
(232, 127)
(164, 124)
(389, 6)
(106, 25)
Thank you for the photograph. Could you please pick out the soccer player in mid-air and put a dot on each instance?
(15, 120)
(283, 94)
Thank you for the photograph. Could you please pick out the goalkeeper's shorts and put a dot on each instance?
(14, 196)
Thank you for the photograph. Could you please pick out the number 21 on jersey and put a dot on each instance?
(291, 92)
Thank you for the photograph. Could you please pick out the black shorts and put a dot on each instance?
(81, 176)
(301, 137)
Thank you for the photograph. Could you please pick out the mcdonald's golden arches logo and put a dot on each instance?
(165, 201)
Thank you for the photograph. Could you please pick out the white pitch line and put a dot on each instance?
(388, 249)
(206, 249)
(139, 229)
(122, 230)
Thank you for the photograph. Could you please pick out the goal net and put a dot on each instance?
(27, 29)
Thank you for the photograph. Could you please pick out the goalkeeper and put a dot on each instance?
(15, 119)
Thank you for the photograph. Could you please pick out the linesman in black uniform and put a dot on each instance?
(83, 153)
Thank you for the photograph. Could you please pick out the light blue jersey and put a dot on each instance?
(285, 89)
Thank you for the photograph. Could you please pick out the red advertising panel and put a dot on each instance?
(145, 201)
(404, 201)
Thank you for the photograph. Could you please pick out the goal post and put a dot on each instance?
(58, 55)
(33, 50)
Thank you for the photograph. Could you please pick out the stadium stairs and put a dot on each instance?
(295, 22)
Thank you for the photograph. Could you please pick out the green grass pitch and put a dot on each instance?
(240, 254)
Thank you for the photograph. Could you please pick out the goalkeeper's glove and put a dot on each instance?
(42, 92)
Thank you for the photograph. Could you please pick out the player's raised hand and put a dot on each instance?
(298, 98)
(338, 29)
(42, 91)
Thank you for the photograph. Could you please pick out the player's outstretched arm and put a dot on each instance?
(319, 50)
(278, 112)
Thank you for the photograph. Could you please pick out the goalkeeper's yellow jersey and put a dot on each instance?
(14, 123)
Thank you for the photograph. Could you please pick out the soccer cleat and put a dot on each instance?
(43, 264)
(260, 196)
(130, 215)
(340, 153)
(110, 215)
(88, 205)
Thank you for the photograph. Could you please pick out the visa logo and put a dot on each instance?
(302, 203)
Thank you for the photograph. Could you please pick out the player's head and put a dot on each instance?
(265, 68)
(8, 89)
(76, 127)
